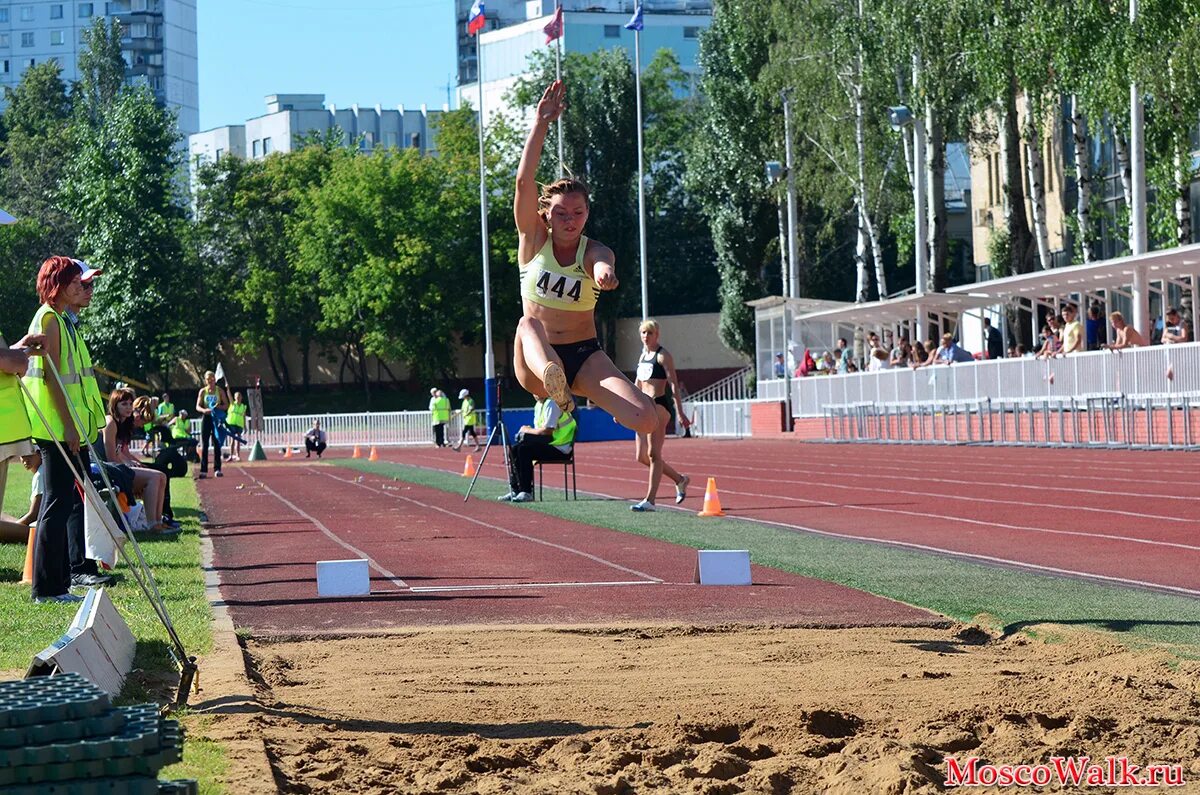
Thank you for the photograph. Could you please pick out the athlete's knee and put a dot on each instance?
(645, 417)
(530, 325)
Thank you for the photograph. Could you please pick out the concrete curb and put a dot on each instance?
(228, 693)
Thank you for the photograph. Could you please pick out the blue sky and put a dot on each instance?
(387, 52)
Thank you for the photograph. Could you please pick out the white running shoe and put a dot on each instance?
(506, 497)
(681, 490)
(555, 381)
(645, 506)
(522, 496)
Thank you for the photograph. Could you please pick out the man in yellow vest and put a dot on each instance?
(551, 438)
(15, 441)
(439, 415)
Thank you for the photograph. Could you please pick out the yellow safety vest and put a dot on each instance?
(75, 369)
(14, 417)
(468, 411)
(236, 415)
(564, 433)
(179, 428)
(441, 410)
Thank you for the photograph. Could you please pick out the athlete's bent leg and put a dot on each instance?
(531, 353)
(600, 381)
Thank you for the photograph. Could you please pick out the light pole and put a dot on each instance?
(793, 248)
(900, 117)
(774, 177)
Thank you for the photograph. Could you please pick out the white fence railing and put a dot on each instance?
(346, 430)
(1161, 369)
(732, 387)
(729, 419)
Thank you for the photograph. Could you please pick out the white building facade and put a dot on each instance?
(158, 42)
(514, 32)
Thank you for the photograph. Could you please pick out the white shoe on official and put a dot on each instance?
(645, 506)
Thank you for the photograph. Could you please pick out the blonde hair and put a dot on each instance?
(562, 187)
(207, 373)
(648, 325)
(1116, 316)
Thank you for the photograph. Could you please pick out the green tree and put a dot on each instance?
(101, 68)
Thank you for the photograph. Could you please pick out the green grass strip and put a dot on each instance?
(1008, 598)
(27, 628)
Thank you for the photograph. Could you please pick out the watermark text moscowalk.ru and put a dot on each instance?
(1111, 771)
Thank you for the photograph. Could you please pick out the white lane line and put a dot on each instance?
(399, 583)
(506, 531)
(519, 585)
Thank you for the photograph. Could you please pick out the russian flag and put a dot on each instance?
(476, 19)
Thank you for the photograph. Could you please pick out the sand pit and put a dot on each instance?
(680, 709)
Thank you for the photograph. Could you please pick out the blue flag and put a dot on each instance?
(635, 22)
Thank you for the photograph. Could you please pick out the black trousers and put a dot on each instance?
(59, 548)
(439, 434)
(314, 447)
(522, 455)
(208, 429)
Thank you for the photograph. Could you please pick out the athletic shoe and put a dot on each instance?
(506, 497)
(90, 580)
(202, 476)
(555, 381)
(645, 506)
(522, 496)
(681, 490)
(62, 597)
(220, 474)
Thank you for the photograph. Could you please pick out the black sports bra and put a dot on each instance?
(650, 368)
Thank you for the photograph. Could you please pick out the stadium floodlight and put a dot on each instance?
(774, 172)
(900, 117)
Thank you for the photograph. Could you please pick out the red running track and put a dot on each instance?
(437, 561)
(1120, 516)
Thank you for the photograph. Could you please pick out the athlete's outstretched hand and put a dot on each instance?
(552, 103)
(607, 279)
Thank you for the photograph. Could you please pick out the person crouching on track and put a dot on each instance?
(469, 419)
(656, 378)
(314, 440)
(551, 438)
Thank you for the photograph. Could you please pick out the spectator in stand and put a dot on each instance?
(902, 354)
(993, 342)
(852, 368)
(1072, 331)
(1094, 327)
(830, 364)
(845, 355)
(879, 360)
(872, 342)
(1174, 330)
(209, 400)
(1126, 335)
(780, 367)
(948, 352)
(1051, 342)
(918, 353)
(1022, 351)
(314, 440)
(1012, 352)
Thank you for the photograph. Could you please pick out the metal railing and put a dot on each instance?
(1151, 421)
(732, 387)
(382, 429)
(729, 419)
(1156, 370)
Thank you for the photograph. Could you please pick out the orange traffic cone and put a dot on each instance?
(469, 468)
(287, 452)
(27, 576)
(712, 503)
(374, 456)
(357, 452)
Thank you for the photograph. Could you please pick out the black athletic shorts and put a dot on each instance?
(573, 356)
(668, 403)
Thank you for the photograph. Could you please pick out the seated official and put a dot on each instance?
(314, 440)
(551, 438)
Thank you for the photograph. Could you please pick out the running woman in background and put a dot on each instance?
(656, 379)
(563, 272)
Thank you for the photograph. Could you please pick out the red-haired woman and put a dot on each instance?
(72, 417)
(556, 352)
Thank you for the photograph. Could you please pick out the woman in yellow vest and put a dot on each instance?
(236, 420)
(469, 420)
(72, 416)
(556, 352)
(15, 433)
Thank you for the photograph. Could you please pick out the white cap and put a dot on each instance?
(433, 391)
(86, 271)
(462, 393)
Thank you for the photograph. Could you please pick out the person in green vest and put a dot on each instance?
(236, 421)
(73, 414)
(550, 438)
(180, 426)
(15, 432)
(439, 415)
(469, 420)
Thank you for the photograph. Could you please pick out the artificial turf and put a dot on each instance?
(1004, 598)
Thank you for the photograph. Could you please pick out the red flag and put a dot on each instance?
(554, 28)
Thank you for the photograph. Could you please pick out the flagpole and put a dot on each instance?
(489, 355)
(637, 65)
(558, 76)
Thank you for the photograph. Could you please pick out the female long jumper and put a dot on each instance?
(563, 272)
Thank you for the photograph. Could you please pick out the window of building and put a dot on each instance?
(3, 14)
(4, 40)
(56, 11)
(138, 30)
(414, 140)
(691, 33)
(220, 154)
(85, 10)
(612, 31)
(58, 37)
(391, 140)
(4, 66)
(32, 63)
(267, 149)
(256, 147)
(27, 39)
(154, 59)
(26, 13)
(139, 5)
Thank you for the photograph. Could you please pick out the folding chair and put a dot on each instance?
(570, 490)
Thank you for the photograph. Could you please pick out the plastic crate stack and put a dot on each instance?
(60, 735)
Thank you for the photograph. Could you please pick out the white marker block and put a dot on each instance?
(723, 566)
(98, 645)
(343, 578)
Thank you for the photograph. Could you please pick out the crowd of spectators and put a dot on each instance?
(1062, 334)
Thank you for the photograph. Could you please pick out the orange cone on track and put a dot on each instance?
(27, 576)
(374, 456)
(469, 468)
(712, 502)
(357, 452)
(287, 452)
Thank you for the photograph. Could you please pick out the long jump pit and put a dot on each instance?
(506, 651)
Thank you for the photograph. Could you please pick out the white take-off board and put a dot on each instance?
(723, 566)
(343, 578)
(98, 646)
